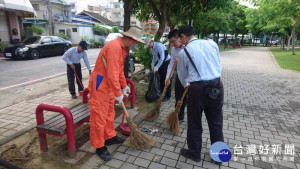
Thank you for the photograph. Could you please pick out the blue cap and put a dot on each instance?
(83, 44)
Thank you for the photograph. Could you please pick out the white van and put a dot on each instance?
(112, 36)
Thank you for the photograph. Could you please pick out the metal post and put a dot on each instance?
(50, 19)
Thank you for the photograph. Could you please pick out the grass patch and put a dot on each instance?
(287, 60)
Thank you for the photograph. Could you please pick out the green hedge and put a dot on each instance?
(62, 35)
(101, 31)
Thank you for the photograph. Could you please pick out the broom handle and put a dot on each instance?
(184, 93)
(124, 108)
(78, 79)
(165, 88)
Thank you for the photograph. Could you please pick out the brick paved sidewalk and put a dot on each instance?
(19, 118)
(261, 107)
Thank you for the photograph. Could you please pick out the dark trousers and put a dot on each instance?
(197, 101)
(71, 76)
(179, 89)
(162, 77)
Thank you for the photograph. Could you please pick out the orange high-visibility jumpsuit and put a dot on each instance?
(105, 85)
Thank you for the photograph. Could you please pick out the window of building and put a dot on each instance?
(133, 23)
(62, 31)
(36, 7)
(72, 5)
(74, 29)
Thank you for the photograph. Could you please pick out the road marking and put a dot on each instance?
(37, 80)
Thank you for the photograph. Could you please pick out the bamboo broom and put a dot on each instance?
(172, 118)
(137, 139)
(154, 113)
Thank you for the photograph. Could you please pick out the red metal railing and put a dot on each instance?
(132, 94)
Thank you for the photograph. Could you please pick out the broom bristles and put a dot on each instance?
(138, 139)
(172, 119)
(173, 122)
(154, 113)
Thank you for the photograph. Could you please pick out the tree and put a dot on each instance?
(281, 15)
(127, 12)
(253, 22)
(172, 12)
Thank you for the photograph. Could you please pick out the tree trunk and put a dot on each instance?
(214, 37)
(272, 37)
(293, 39)
(281, 45)
(242, 43)
(127, 9)
(283, 42)
(162, 17)
(289, 42)
(160, 30)
(225, 41)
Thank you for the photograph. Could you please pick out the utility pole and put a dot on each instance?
(50, 18)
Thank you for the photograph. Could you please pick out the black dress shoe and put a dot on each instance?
(74, 96)
(114, 140)
(187, 154)
(103, 153)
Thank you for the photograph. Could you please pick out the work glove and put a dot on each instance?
(126, 91)
(119, 99)
(155, 69)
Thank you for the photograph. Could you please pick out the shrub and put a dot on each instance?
(143, 56)
(92, 40)
(99, 43)
(101, 31)
(34, 29)
(62, 35)
(115, 29)
(2, 45)
(85, 38)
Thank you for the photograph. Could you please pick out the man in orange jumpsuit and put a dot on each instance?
(105, 88)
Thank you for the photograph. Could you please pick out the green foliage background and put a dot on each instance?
(101, 31)
(143, 56)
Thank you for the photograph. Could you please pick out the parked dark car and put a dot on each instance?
(37, 46)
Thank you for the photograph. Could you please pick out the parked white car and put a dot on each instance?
(112, 36)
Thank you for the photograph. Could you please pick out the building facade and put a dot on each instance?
(11, 14)
(117, 15)
(78, 6)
